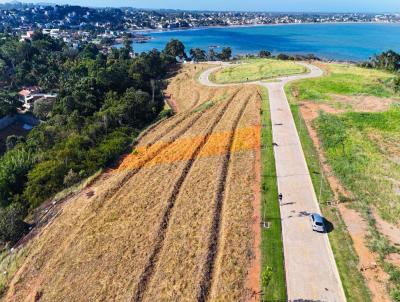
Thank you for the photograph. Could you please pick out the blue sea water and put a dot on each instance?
(355, 41)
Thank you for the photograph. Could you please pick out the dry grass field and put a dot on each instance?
(187, 94)
(174, 222)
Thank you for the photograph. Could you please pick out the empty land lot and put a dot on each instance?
(352, 117)
(174, 222)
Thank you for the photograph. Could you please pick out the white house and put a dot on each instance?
(28, 96)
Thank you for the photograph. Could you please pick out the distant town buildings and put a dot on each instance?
(54, 18)
(76, 25)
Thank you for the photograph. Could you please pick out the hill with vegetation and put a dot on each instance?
(103, 102)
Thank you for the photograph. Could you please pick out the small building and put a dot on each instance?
(27, 92)
(28, 96)
(27, 36)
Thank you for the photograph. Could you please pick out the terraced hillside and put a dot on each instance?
(174, 222)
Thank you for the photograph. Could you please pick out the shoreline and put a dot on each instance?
(164, 30)
(324, 53)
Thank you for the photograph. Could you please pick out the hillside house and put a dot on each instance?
(27, 36)
(28, 96)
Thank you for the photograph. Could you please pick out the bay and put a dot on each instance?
(336, 41)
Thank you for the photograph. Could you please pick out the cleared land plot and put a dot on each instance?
(173, 222)
(256, 69)
(356, 133)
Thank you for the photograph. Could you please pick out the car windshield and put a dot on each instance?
(319, 223)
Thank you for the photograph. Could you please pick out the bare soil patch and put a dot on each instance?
(364, 103)
(394, 259)
(391, 232)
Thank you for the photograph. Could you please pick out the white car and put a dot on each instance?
(317, 222)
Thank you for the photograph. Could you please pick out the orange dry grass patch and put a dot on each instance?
(181, 149)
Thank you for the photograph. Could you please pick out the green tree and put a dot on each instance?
(43, 108)
(12, 225)
(45, 179)
(127, 49)
(71, 178)
(198, 55)
(226, 54)
(14, 165)
(212, 55)
(388, 60)
(283, 57)
(175, 48)
(396, 84)
(264, 54)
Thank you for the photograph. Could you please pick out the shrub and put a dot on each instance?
(283, 57)
(266, 277)
(71, 178)
(14, 166)
(44, 179)
(264, 54)
(396, 84)
(12, 225)
(13, 140)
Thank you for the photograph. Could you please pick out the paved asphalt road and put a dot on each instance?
(311, 272)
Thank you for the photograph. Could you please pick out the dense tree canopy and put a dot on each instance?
(175, 48)
(103, 102)
(198, 55)
(226, 54)
(388, 60)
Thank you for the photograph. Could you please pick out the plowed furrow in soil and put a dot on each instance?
(238, 241)
(196, 99)
(153, 152)
(167, 129)
(149, 269)
(207, 272)
(176, 274)
(160, 129)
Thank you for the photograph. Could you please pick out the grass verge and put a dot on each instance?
(271, 238)
(345, 255)
(9, 264)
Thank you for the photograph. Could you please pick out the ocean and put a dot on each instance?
(335, 41)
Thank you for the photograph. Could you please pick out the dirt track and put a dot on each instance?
(172, 223)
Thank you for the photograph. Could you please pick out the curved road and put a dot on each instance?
(311, 271)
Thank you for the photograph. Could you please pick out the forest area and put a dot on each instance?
(103, 102)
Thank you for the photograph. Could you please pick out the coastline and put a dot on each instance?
(164, 30)
(329, 41)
